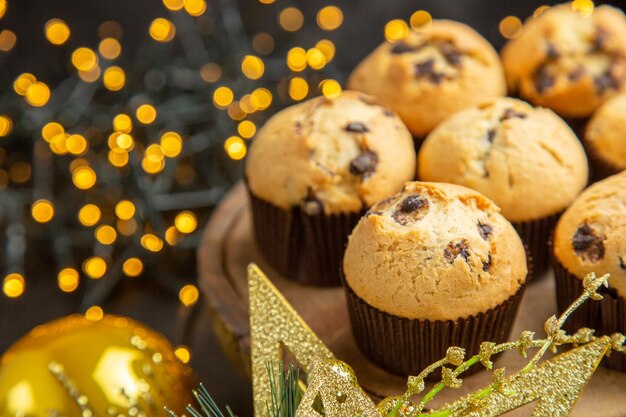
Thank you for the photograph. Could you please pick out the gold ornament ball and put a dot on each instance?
(76, 367)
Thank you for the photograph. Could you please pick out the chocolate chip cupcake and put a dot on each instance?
(431, 74)
(433, 266)
(605, 138)
(313, 170)
(591, 237)
(527, 160)
(568, 62)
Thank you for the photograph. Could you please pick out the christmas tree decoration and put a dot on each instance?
(91, 366)
(333, 390)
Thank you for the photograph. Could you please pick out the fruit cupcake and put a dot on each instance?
(431, 74)
(313, 170)
(591, 237)
(605, 138)
(527, 160)
(566, 61)
(433, 266)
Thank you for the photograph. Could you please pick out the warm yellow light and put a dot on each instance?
(186, 222)
(50, 130)
(540, 10)
(110, 48)
(13, 285)
(3, 8)
(252, 67)
(22, 82)
(249, 103)
(84, 177)
(152, 166)
(58, 144)
(114, 78)
(173, 236)
(174, 5)
(154, 153)
(89, 215)
(584, 7)
(296, 59)
(111, 29)
(298, 88)
(122, 123)
(315, 58)
(127, 227)
(90, 76)
(20, 172)
(42, 211)
(37, 94)
(6, 125)
(510, 27)
(188, 295)
(235, 111)
(162, 30)
(396, 29)
(76, 144)
(183, 354)
(327, 48)
(263, 43)
(95, 267)
(210, 72)
(330, 18)
(105, 234)
(77, 163)
(235, 147)
(57, 32)
(195, 7)
(421, 20)
(132, 267)
(263, 98)
(330, 88)
(223, 96)
(94, 313)
(267, 1)
(171, 144)
(125, 210)
(84, 59)
(118, 157)
(146, 114)
(291, 19)
(151, 242)
(7, 40)
(246, 129)
(68, 279)
(124, 141)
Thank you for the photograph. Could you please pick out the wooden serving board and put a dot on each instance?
(228, 247)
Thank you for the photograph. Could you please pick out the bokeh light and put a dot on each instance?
(263, 43)
(330, 18)
(95, 267)
(396, 30)
(68, 279)
(57, 32)
(315, 58)
(195, 7)
(7, 40)
(183, 354)
(110, 48)
(252, 67)
(291, 19)
(185, 222)
(296, 59)
(37, 94)
(6, 125)
(125, 209)
(171, 144)
(146, 114)
(89, 215)
(421, 20)
(263, 98)
(327, 47)
(84, 59)
(330, 88)
(174, 5)
(584, 7)
(94, 313)
(42, 211)
(223, 96)
(235, 148)
(298, 88)
(132, 267)
(510, 27)
(122, 123)
(22, 82)
(84, 177)
(211, 72)
(91, 75)
(151, 242)
(20, 172)
(51, 130)
(14, 285)
(162, 30)
(105, 234)
(246, 129)
(76, 144)
(188, 295)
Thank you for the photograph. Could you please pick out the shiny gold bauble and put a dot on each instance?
(77, 367)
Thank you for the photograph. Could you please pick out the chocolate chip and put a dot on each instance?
(357, 127)
(388, 113)
(587, 244)
(312, 205)
(622, 262)
(511, 114)
(411, 209)
(485, 230)
(364, 165)
(450, 53)
(605, 82)
(551, 51)
(487, 265)
(600, 40)
(401, 48)
(576, 74)
(491, 134)
(426, 70)
(543, 80)
(455, 249)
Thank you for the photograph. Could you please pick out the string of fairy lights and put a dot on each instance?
(115, 171)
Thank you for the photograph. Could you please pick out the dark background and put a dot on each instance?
(143, 299)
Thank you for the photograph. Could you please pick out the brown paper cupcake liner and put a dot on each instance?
(606, 316)
(599, 168)
(407, 346)
(536, 235)
(304, 248)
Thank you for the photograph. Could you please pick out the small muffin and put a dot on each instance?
(591, 237)
(605, 138)
(568, 62)
(312, 171)
(433, 266)
(527, 160)
(431, 74)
